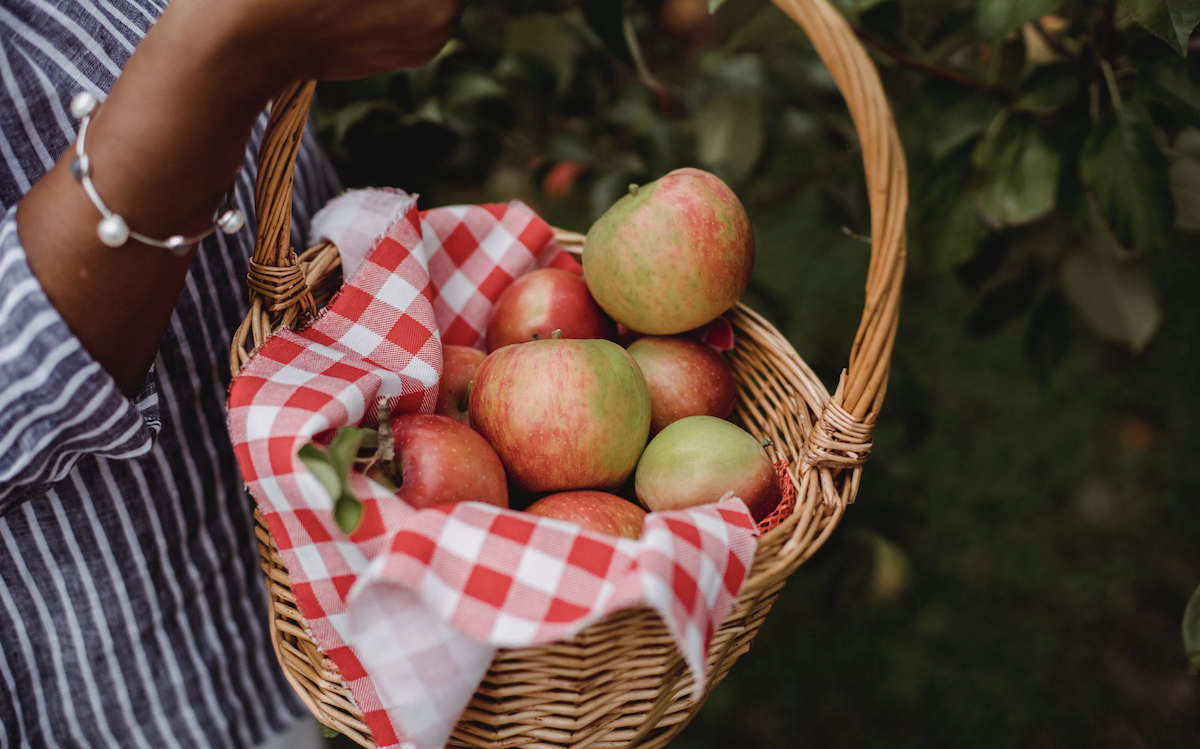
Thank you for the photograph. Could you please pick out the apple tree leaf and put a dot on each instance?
(730, 134)
(322, 468)
(945, 226)
(1016, 172)
(1191, 630)
(1185, 187)
(1127, 175)
(332, 468)
(713, 5)
(1169, 20)
(606, 19)
(1114, 296)
(328, 732)
(996, 19)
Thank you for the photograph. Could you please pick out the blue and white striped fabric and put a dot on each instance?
(132, 613)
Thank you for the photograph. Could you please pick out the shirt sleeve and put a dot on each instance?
(57, 404)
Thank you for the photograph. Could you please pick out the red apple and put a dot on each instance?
(597, 511)
(672, 255)
(439, 461)
(698, 459)
(542, 301)
(563, 414)
(459, 364)
(685, 378)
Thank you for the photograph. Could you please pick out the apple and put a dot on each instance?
(542, 301)
(459, 364)
(697, 459)
(671, 255)
(597, 511)
(685, 378)
(439, 460)
(563, 413)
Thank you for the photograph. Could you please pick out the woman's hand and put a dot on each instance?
(325, 39)
(171, 136)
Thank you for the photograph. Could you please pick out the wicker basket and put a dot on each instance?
(622, 683)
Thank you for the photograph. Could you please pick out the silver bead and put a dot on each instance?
(177, 245)
(82, 105)
(81, 166)
(232, 221)
(112, 230)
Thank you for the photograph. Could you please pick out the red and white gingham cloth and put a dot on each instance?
(412, 607)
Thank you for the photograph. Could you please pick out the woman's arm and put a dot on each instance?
(170, 137)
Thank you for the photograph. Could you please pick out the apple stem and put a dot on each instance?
(465, 403)
(557, 334)
(633, 189)
(766, 443)
(386, 451)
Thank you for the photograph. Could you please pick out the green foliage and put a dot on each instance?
(1169, 20)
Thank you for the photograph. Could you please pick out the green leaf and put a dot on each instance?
(1169, 20)
(545, 38)
(996, 19)
(321, 466)
(332, 468)
(1114, 296)
(1171, 85)
(768, 26)
(347, 513)
(713, 5)
(946, 228)
(469, 88)
(1185, 188)
(1126, 174)
(730, 134)
(1016, 173)
(1191, 630)
(328, 732)
(1048, 88)
(1049, 333)
(967, 118)
(605, 18)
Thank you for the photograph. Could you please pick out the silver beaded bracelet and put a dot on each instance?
(113, 229)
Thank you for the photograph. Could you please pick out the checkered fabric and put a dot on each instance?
(412, 607)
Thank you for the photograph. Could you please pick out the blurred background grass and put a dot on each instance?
(1027, 535)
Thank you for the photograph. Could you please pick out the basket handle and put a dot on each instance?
(279, 295)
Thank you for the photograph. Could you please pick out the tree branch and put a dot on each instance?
(905, 60)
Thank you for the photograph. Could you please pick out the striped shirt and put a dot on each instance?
(132, 610)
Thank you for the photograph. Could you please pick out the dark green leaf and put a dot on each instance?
(1171, 85)
(1169, 20)
(999, 18)
(729, 135)
(1126, 174)
(1003, 304)
(1185, 187)
(1016, 173)
(946, 228)
(767, 27)
(967, 118)
(1048, 88)
(1049, 333)
(1114, 296)
(469, 88)
(1191, 630)
(605, 18)
(545, 38)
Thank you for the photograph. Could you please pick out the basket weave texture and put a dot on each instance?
(621, 682)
